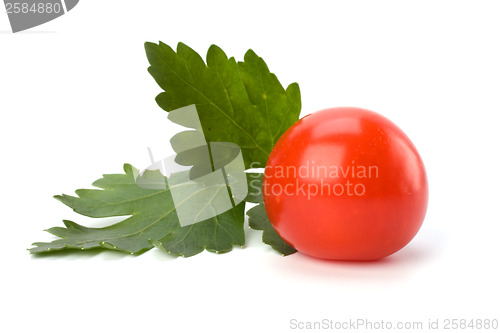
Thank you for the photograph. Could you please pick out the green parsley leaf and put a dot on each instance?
(254, 181)
(258, 220)
(237, 102)
(257, 216)
(243, 103)
(218, 235)
(152, 217)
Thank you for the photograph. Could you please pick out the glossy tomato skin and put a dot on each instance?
(345, 184)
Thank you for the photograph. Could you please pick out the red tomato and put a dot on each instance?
(345, 184)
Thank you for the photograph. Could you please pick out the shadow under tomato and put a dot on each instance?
(423, 250)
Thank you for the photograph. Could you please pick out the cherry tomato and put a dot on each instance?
(345, 184)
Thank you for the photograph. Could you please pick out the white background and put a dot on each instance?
(76, 101)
